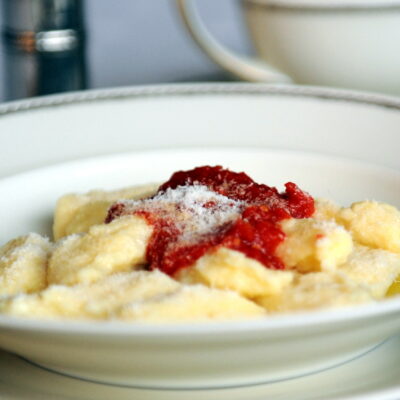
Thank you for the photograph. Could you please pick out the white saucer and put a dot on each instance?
(374, 376)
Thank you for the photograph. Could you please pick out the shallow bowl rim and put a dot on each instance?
(200, 89)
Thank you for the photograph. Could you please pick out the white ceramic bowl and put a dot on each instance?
(274, 133)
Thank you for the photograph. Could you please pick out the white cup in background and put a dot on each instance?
(341, 43)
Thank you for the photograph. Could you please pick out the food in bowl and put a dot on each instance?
(207, 244)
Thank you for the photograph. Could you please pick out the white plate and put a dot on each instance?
(375, 376)
(359, 126)
(206, 355)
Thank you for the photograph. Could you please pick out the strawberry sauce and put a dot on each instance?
(203, 209)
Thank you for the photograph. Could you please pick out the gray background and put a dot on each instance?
(143, 41)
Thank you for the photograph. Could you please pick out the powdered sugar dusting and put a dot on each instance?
(199, 210)
(195, 210)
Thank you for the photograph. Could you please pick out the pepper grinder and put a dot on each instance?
(43, 47)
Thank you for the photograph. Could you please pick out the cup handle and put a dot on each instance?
(245, 68)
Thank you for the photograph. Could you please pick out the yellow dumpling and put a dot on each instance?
(229, 269)
(372, 268)
(373, 224)
(99, 300)
(105, 249)
(23, 263)
(192, 303)
(76, 213)
(317, 290)
(313, 245)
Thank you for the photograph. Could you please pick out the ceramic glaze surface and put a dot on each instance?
(314, 134)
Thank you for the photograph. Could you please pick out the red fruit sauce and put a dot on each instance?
(244, 215)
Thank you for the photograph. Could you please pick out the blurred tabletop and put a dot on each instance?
(144, 42)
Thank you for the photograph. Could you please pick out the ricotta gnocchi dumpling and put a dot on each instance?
(100, 300)
(317, 290)
(104, 250)
(314, 245)
(373, 224)
(23, 263)
(76, 213)
(232, 270)
(373, 269)
(192, 303)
